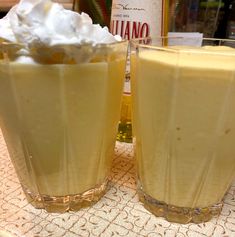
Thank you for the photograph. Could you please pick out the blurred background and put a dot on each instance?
(213, 18)
(5, 5)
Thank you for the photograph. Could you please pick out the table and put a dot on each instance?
(118, 213)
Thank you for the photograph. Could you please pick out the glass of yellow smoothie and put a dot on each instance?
(184, 125)
(61, 80)
(59, 120)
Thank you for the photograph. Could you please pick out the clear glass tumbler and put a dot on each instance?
(184, 124)
(59, 117)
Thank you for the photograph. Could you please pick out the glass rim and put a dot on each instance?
(99, 45)
(139, 42)
(69, 53)
(180, 37)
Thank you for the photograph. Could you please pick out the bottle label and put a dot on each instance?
(137, 18)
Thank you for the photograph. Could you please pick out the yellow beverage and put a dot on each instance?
(60, 124)
(184, 120)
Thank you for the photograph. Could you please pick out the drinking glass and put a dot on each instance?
(184, 125)
(59, 115)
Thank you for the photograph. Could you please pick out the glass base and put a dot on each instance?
(182, 215)
(61, 204)
(124, 132)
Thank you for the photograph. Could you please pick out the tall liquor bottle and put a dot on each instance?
(136, 19)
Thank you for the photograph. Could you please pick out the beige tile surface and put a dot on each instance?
(118, 213)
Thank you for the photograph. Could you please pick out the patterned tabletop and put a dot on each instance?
(118, 213)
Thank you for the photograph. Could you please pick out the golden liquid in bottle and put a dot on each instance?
(125, 127)
(144, 17)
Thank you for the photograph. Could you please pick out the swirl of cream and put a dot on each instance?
(47, 23)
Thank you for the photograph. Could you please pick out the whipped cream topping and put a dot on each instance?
(42, 22)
